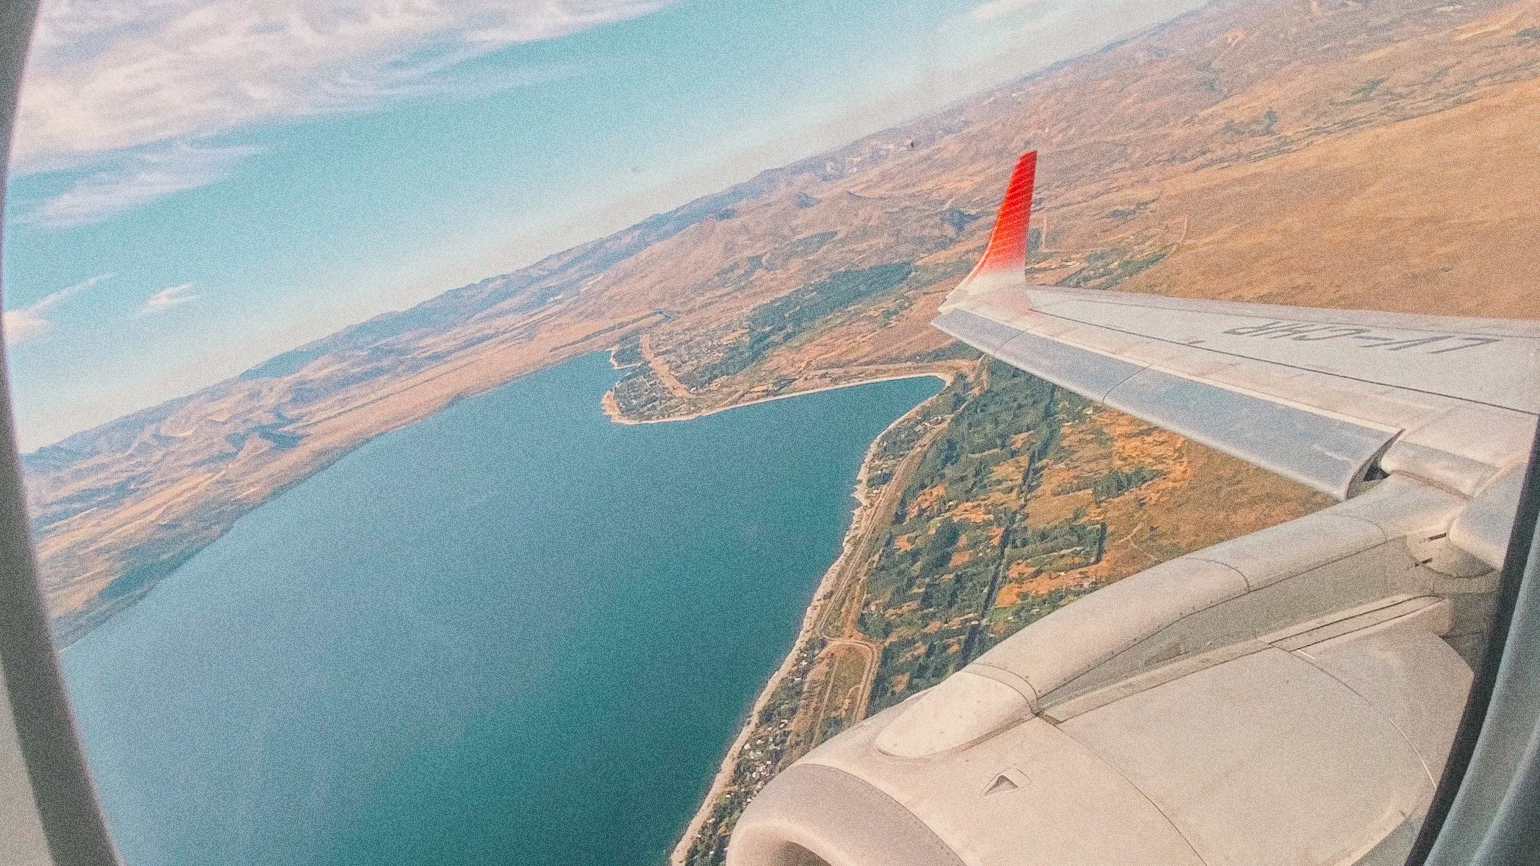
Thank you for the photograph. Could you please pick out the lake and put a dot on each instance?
(513, 633)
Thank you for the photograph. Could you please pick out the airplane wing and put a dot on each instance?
(1329, 398)
(1285, 696)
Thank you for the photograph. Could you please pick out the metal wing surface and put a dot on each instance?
(1325, 397)
(1291, 691)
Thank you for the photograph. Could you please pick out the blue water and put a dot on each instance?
(514, 633)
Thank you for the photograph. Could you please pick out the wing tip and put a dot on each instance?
(1007, 248)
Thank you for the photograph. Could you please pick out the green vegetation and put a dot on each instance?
(1259, 128)
(901, 439)
(963, 525)
(928, 598)
(1368, 88)
(640, 390)
(278, 438)
(953, 351)
(958, 219)
(1118, 482)
(1114, 483)
(1106, 268)
(736, 345)
(1059, 547)
(801, 248)
(1030, 610)
(627, 353)
(779, 321)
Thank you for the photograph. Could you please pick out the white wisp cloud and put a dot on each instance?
(165, 299)
(106, 77)
(30, 322)
(1001, 8)
(136, 179)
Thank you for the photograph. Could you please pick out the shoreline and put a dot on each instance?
(612, 411)
(823, 594)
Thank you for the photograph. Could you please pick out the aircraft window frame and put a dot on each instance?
(39, 725)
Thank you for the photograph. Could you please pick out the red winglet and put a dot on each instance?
(1007, 250)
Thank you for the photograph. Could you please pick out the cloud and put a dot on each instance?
(165, 299)
(108, 76)
(136, 179)
(31, 322)
(1002, 8)
(23, 325)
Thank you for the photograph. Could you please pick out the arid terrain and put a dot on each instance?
(1378, 155)
(1335, 153)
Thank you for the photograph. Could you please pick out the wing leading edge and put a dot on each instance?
(1328, 398)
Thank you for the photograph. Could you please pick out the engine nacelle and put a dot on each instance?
(1287, 697)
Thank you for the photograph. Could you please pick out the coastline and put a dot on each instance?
(612, 411)
(826, 591)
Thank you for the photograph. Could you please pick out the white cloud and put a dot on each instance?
(31, 322)
(1002, 8)
(135, 179)
(165, 299)
(23, 325)
(106, 76)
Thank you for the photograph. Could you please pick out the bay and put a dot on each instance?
(513, 633)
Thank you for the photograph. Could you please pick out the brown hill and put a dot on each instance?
(1334, 153)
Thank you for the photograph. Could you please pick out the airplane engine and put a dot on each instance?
(1288, 697)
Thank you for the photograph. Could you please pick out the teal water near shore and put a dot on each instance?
(513, 633)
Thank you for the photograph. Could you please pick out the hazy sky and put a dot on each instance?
(200, 184)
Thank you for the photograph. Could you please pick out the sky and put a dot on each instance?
(197, 185)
